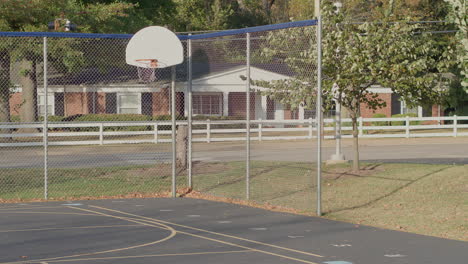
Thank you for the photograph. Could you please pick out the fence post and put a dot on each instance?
(155, 129)
(455, 123)
(260, 126)
(247, 121)
(407, 123)
(208, 131)
(46, 125)
(310, 128)
(101, 134)
(361, 132)
(189, 112)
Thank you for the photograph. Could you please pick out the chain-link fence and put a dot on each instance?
(77, 122)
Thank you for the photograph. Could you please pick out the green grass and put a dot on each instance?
(425, 199)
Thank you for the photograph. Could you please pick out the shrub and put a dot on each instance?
(379, 123)
(16, 118)
(402, 123)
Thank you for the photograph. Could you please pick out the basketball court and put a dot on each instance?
(182, 230)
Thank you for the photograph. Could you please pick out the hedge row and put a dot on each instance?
(133, 118)
(395, 123)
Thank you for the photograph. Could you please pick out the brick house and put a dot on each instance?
(395, 106)
(217, 90)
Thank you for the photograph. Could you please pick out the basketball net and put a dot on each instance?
(147, 70)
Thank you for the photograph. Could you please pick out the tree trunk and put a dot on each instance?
(355, 143)
(28, 82)
(5, 85)
(181, 139)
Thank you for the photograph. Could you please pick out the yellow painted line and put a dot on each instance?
(211, 232)
(211, 239)
(27, 208)
(221, 241)
(63, 228)
(252, 249)
(148, 256)
(53, 213)
(157, 225)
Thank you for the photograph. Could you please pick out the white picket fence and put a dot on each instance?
(260, 131)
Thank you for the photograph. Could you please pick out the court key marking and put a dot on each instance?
(157, 225)
(219, 234)
(207, 231)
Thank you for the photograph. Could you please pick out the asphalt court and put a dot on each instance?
(182, 230)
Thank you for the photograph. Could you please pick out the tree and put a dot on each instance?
(356, 57)
(22, 15)
(192, 15)
(458, 15)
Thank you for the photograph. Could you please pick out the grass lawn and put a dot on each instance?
(419, 198)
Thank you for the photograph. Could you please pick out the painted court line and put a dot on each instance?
(210, 232)
(146, 256)
(95, 213)
(52, 213)
(140, 218)
(27, 208)
(65, 228)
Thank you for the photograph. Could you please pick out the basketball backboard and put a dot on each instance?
(154, 47)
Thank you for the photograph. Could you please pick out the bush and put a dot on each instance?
(111, 118)
(16, 118)
(219, 118)
(379, 123)
(402, 123)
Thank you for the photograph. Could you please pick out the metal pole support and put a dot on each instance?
(46, 125)
(247, 123)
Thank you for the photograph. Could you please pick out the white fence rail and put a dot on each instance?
(281, 130)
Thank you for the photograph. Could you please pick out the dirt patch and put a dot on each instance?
(337, 172)
(165, 169)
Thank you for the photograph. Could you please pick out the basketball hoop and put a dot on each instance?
(147, 69)
(152, 48)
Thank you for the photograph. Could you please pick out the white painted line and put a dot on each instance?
(338, 262)
(73, 204)
(295, 236)
(341, 245)
(224, 222)
(258, 228)
(118, 201)
(166, 210)
(139, 205)
(394, 256)
(193, 215)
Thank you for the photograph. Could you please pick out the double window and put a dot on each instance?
(207, 104)
(41, 104)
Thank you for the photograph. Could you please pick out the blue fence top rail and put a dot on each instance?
(181, 37)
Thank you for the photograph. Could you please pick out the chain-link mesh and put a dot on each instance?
(109, 134)
(219, 114)
(21, 151)
(284, 154)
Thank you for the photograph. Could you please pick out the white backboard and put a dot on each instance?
(155, 43)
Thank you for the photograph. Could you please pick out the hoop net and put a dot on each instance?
(147, 69)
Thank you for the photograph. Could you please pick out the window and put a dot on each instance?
(41, 104)
(129, 103)
(210, 104)
(406, 110)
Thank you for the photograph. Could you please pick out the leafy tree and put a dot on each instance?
(161, 12)
(356, 57)
(195, 15)
(458, 15)
(22, 15)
